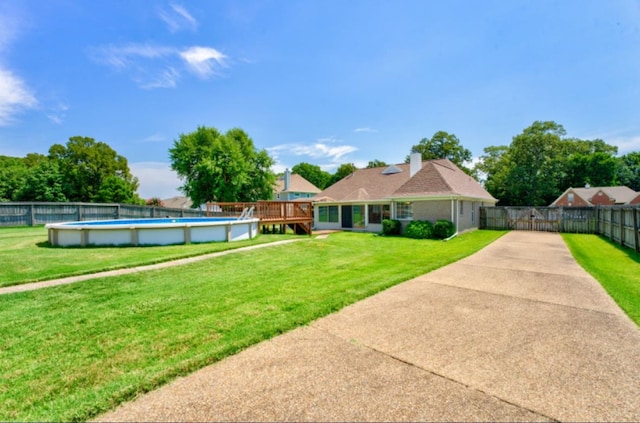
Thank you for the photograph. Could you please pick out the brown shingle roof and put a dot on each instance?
(620, 194)
(370, 181)
(298, 184)
(442, 177)
(435, 178)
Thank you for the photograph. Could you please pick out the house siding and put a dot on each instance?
(577, 201)
(602, 199)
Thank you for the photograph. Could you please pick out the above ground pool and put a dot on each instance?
(178, 230)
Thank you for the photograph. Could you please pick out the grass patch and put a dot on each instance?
(615, 267)
(72, 352)
(33, 259)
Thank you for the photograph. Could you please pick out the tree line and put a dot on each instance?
(83, 170)
(538, 165)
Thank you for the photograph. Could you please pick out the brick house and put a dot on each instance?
(597, 196)
(419, 190)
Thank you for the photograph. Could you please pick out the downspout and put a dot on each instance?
(452, 219)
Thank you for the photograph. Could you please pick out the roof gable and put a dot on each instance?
(619, 194)
(435, 178)
(442, 177)
(298, 184)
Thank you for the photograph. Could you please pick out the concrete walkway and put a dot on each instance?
(516, 332)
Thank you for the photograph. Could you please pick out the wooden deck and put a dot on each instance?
(298, 215)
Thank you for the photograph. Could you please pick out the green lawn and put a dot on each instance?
(32, 259)
(72, 352)
(616, 268)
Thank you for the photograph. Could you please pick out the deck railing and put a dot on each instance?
(298, 214)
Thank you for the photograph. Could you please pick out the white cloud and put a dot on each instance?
(178, 18)
(155, 138)
(122, 57)
(166, 78)
(58, 113)
(156, 179)
(365, 130)
(15, 96)
(203, 60)
(316, 151)
(625, 144)
(153, 66)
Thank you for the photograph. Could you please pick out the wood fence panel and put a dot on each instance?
(618, 223)
(33, 214)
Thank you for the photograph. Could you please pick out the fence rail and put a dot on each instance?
(618, 223)
(33, 214)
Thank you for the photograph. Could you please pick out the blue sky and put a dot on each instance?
(325, 82)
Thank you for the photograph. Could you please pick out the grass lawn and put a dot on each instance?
(616, 268)
(72, 352)
(33, 259)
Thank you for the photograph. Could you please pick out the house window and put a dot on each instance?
(378, 212)
(404, 211)
(328, 214)
(461, 207)
(570, 197)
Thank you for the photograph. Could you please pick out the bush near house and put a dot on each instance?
(391, 227)
(443, 229)
(419, 229)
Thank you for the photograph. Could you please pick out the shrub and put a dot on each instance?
(443, 229)
(419, 229)
(391, 227)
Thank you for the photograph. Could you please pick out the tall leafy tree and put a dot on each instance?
(222, 167)
(629, 170)
(443, 145)
(540, 164)
(13, 171)
(94, 172)
(312, 173)
(343, 171)
(42, 183)
(376, 163)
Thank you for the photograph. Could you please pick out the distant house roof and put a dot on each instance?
(619, 194)
(177, 203)
(298, 184)
(435, 178)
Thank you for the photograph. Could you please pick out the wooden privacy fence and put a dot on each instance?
(618, 223)
(32, 214)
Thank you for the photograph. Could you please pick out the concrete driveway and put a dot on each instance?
(516, 332)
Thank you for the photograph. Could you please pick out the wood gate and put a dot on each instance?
(543, 219)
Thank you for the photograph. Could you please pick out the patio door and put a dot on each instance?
(347, 217)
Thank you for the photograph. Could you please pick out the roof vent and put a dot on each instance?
(391, 170)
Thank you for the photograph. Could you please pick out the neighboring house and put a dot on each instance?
(291, 187)
(177, 202)
(429, 190)
(597, 196)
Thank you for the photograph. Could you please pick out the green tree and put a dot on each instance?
(493, 169)
(443, 145)
(376, 163)
(540, 164)
(93, 172)
(222, 167)
(343, 170)
(13, 171)
(312, 173)
(629, 170)
(535, 153)
(42, 183)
